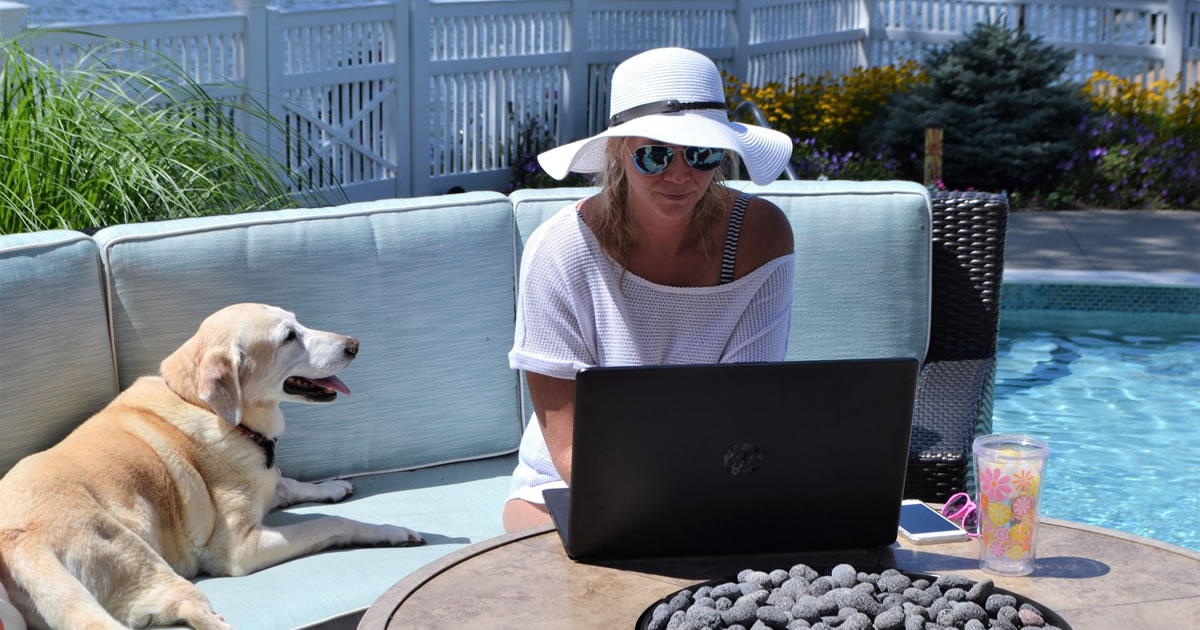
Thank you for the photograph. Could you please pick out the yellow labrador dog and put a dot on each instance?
(172, 479)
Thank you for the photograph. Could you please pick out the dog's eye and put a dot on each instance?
(291, 336)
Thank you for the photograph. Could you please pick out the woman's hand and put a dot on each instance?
(554, 404)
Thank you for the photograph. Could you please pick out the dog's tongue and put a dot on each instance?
(332, 382)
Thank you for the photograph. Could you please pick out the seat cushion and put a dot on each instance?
(452, 506)
(425, 284)
(56, 359)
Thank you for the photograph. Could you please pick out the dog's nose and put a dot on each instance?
(351, 347)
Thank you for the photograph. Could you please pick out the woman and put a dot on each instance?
(664, 266)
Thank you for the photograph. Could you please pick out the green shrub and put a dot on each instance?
(1006, 117)
(92, 145)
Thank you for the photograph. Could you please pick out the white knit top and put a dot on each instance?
(575, 310)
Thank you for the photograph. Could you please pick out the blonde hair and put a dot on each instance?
(614, 226)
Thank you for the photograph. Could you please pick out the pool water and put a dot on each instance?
(1117, 395)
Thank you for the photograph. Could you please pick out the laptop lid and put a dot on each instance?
(736, 458)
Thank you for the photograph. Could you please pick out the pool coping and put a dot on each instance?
(1124, 535)
(1124, 278)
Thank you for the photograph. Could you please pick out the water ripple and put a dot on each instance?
(1120, 411)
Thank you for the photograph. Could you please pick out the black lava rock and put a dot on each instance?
(773, 616)
(844, 575)
(980, 591)
(820, 586)
(890, 619)
(953, 580)
(846, 599)
(742, 613)
(895, 583)
(807, 609)
(997, 601)
(778, 577)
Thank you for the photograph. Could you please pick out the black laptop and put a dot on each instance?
(736, 458)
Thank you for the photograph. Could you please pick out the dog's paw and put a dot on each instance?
(397, 536)
(336, 489)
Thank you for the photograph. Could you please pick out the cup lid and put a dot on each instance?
(1010, 446)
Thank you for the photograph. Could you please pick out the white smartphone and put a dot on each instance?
(921, 524)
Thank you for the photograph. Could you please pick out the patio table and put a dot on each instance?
(1095, 578)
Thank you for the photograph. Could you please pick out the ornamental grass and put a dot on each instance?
(91, 145)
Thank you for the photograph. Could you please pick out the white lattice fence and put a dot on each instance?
(1128, 39)
(368, 93)
(490, 77)
(337, 95)
(788, 39)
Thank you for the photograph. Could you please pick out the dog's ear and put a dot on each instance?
(219, 385)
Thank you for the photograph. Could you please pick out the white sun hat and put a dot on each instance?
(673, 96)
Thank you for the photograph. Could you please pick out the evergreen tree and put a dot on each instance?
(1007, 118)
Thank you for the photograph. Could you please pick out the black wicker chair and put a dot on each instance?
(954, 390)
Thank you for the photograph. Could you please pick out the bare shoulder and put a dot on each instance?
(766, 235)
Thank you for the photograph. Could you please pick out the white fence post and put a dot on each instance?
(11, 15)
(869, 10)
(257, 50)
(575, 96)
(1176, 42)
(418, 95)
(403, 31)
(741, 45)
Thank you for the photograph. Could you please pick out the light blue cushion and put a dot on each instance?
(534, 206)
(863, 262)
(425, 284)
(863, 267)
(451, 506)
(56, 362)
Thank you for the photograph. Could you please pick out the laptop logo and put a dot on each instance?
(742, 459)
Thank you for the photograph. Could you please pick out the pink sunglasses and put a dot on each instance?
(959, 507)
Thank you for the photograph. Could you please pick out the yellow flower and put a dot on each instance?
(999, 514)
(1021, 535)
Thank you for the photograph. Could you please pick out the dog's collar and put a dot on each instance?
(268, 445)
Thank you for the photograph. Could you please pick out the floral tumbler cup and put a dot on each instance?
(1008, 474)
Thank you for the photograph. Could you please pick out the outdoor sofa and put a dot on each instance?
(427, 285)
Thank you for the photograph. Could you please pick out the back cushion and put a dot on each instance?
(863, 264)
(56, 362)
(425, 284)
(863, 252)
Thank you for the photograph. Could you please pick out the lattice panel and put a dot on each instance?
(893, 52)
(815, 60)
(491, 36)
(629, 30)
(939, 16)
(205, 58)
(802, 19)
(338, 46)
(475, 117)
(1093, 24)
(339, 134)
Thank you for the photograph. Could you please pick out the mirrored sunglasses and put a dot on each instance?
(653, 159)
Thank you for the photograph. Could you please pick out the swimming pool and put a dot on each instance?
(1117, 394)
